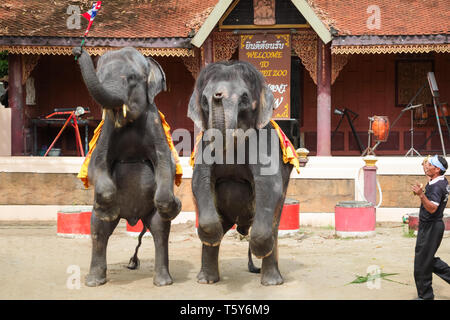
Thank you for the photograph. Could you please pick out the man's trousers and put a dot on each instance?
(429, 238)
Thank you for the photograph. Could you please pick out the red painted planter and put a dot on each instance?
(290, 217)
(289, 221)
(74, 223)
(413, 222)
(136, 229)
(355, 219)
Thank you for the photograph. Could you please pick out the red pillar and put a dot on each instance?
(16, 103)
(323, 98)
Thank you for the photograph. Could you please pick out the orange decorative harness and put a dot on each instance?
(83, 174)
(289, 153)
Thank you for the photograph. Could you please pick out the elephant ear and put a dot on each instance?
(156, 81)
(266, 107)
(195, 111)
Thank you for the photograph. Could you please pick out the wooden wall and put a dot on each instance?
(366, 86)
(59, 84)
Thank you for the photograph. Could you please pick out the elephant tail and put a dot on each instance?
(251, 267)
(134, 261)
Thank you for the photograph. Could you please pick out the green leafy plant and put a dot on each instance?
(3, 63)
(371, 277)
(408, 233)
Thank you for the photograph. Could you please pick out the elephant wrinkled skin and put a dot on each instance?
(132, 167)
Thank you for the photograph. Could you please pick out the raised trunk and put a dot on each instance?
(103, 96)
(218, 115)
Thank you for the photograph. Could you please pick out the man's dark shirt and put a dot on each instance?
(437, 192)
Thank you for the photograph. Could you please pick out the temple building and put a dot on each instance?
(341, 63)
(334, 68)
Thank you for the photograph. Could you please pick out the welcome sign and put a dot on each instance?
(271, 55)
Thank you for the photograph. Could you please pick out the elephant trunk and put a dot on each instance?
(218, 114)
(102, 95)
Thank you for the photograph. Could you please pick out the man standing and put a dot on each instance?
(431, 227)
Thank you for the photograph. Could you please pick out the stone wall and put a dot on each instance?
(315, 195)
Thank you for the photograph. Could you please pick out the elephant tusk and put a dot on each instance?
(103, 114)
(124, 110)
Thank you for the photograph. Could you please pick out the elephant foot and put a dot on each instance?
(168, 210)
(271, 278)
(93, 280)
(162, 278)
(207, 278)
(134, 263)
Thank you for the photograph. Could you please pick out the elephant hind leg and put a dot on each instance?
(100, 232)
(160, 230)
(251, 267)
(134, 260)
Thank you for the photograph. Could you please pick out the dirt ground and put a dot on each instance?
(35, 263)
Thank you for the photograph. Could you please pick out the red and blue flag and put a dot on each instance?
(90, 15)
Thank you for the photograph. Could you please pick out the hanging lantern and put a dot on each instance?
(380, 128)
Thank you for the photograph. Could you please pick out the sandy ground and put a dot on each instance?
(34, 264)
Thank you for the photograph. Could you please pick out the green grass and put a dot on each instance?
(408, 234)
(327, 227)
(369, 277)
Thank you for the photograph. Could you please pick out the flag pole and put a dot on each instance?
(90, 15)
(81, 46)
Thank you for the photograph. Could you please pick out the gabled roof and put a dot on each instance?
(302, 5)
(398, 17)
(153, 19)
(116, 19)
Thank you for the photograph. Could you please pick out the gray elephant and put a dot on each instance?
(229, 96)
(132, 167)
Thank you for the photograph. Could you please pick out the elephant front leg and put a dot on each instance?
(167, 204)
(160, 230)
(269, 198)
(104, 197)
(210, 229)
(209, 272)
(270, 274)
(100, 233)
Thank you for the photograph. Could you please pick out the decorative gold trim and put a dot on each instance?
(55, 50)
(383, 49)
(193, 63)
(305, 46)
(29, 62)
(244, 38)
(275, 26)
(224, 45)
(284, 114)
(338, 62)
(285, 37)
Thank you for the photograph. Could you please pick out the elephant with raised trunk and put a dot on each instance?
(233, 99)
(132, 167)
